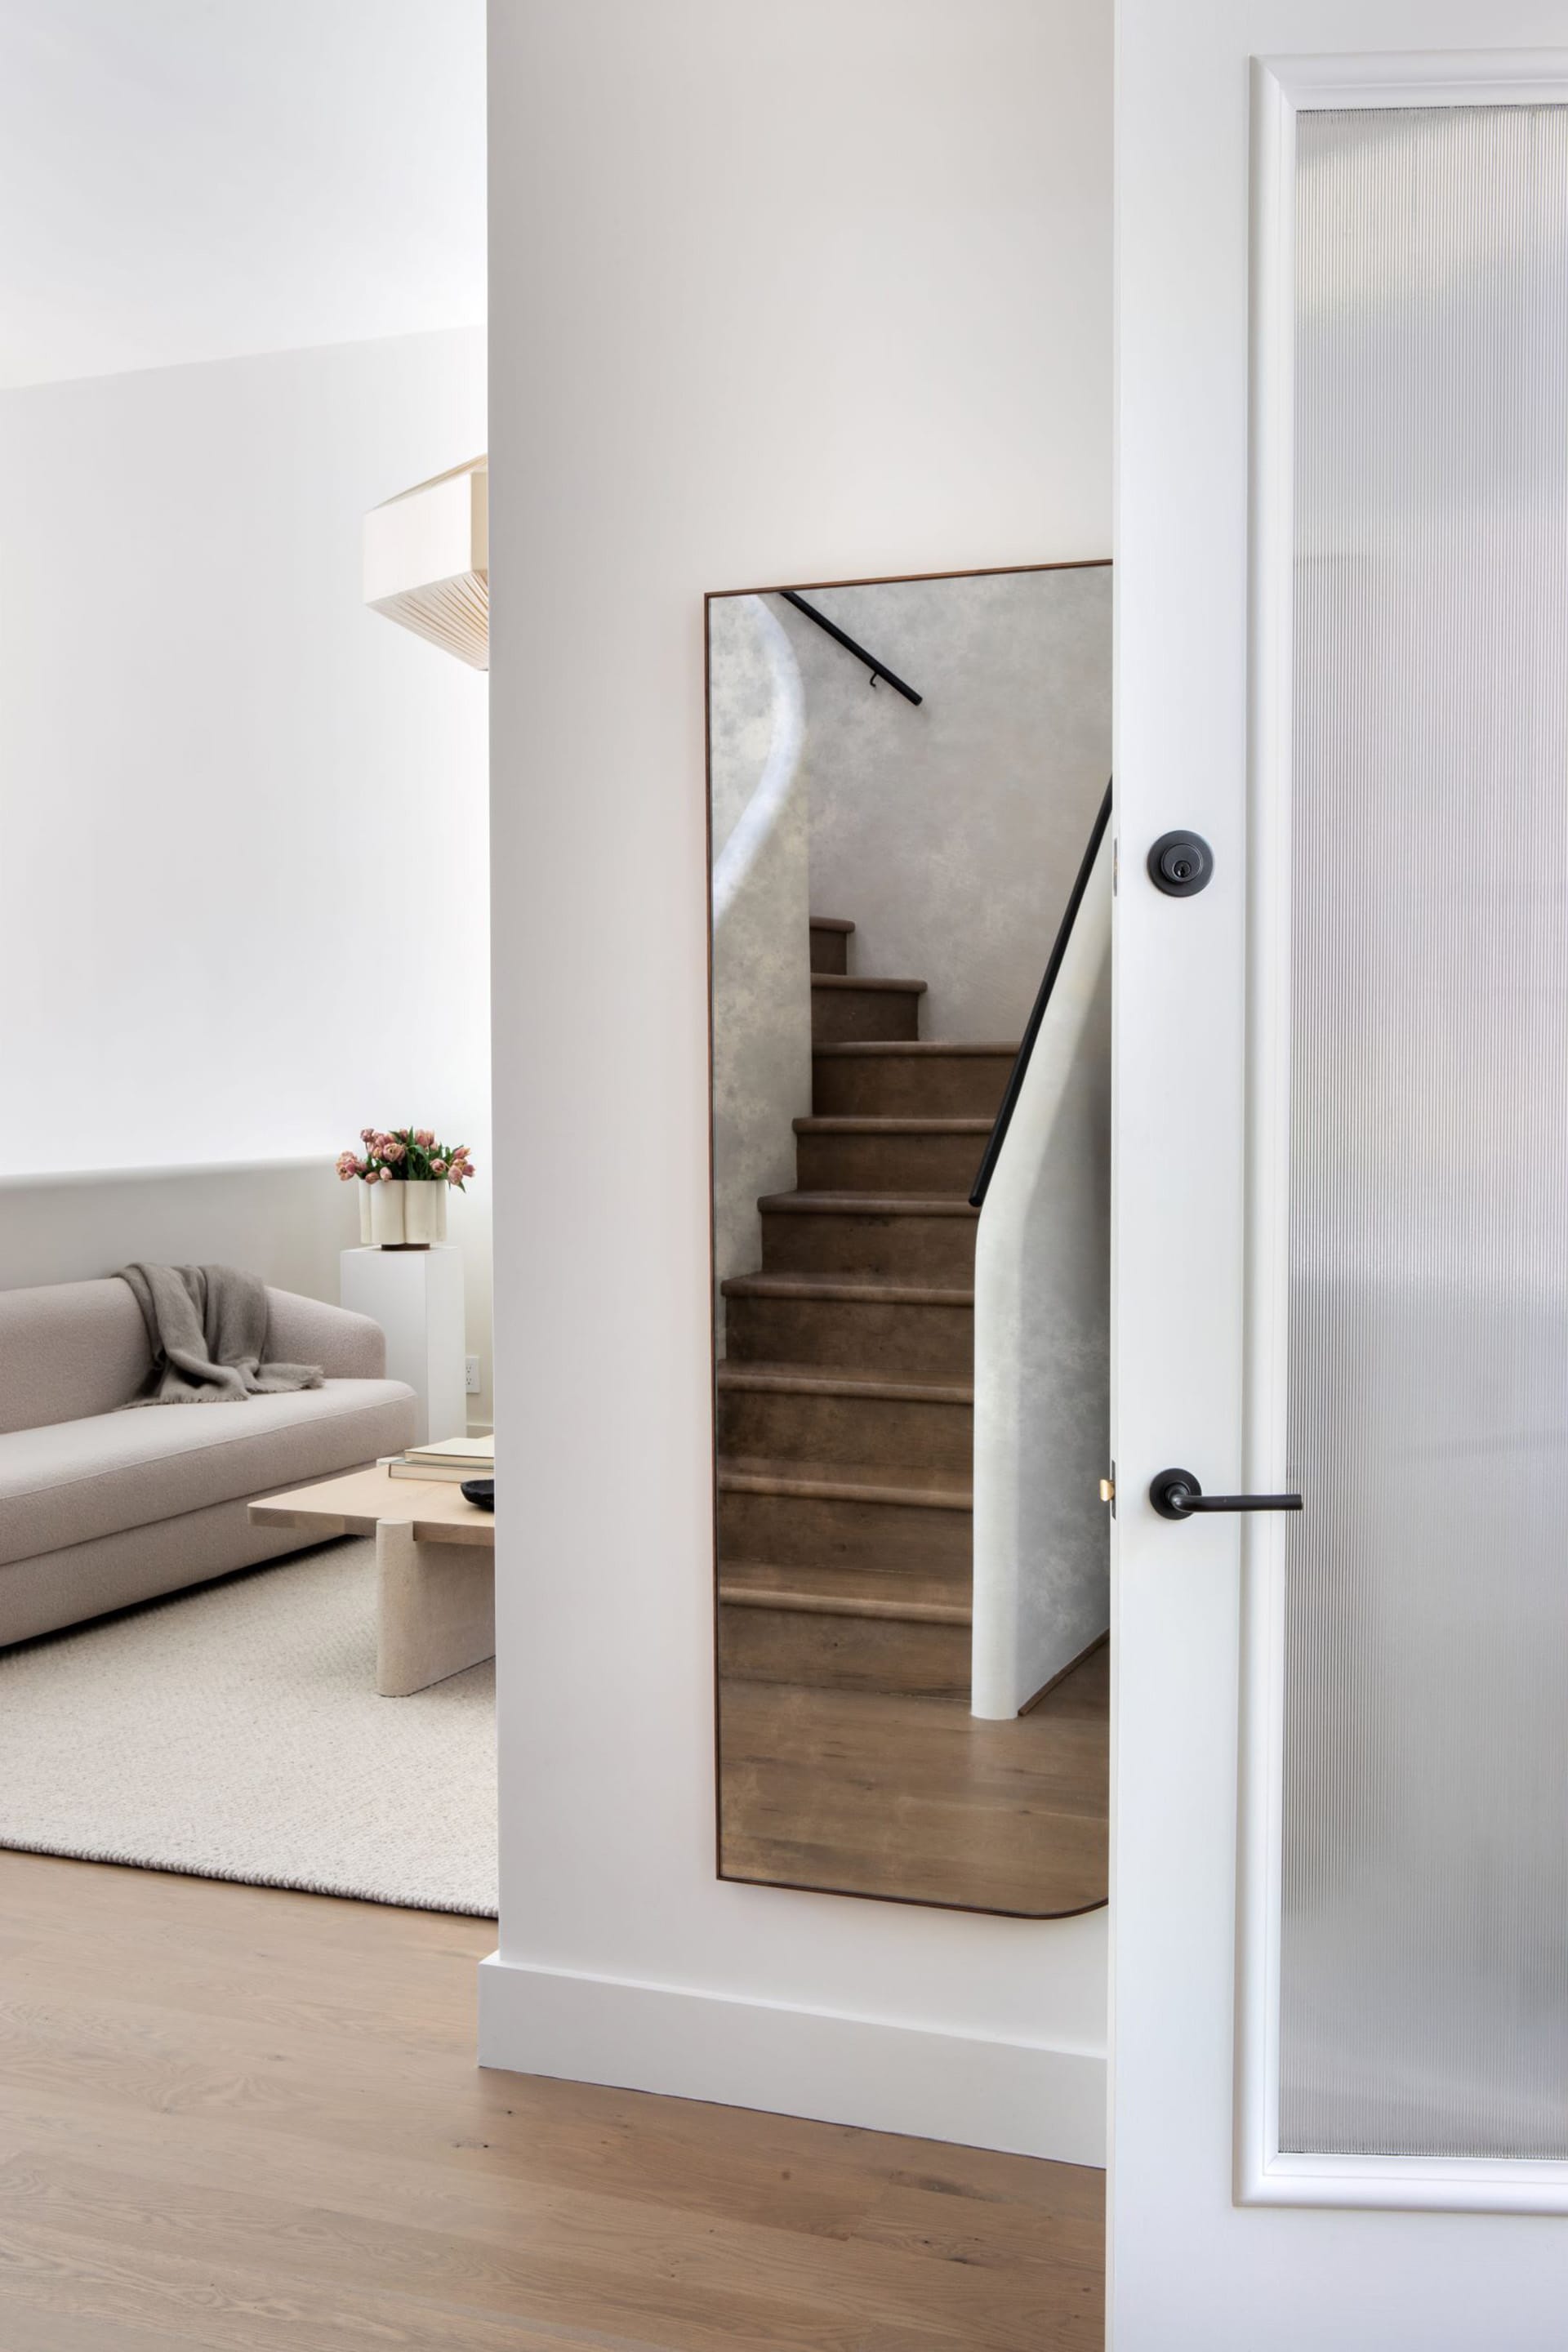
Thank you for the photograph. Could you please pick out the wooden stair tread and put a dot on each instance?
(876, 1123)
(842, 1592)
(924, 1488)
(819, 1380)
(845, 1470)
(854, 979)
(860, 1204)
(857, 1048)
(828, 1287)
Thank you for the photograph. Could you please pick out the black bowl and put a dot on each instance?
(480, 1492)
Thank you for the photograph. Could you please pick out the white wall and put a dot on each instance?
(950, 831)
(776, 294)
(183, 182)
(286, 1219)
(242, 899)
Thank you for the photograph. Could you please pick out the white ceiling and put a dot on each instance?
(194, 179)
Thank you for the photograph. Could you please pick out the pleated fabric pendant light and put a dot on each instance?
(427, 560)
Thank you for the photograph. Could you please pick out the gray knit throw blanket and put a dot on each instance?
(207, 1329)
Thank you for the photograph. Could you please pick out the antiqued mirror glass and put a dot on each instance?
(911, 868)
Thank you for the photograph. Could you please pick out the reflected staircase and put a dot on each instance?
(847, 1397)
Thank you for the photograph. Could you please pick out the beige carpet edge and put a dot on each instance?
(63, 1852)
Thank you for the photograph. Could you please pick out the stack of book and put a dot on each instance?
(453, 1458)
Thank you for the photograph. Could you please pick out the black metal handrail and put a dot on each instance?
(1015, 1087)
(877, 669)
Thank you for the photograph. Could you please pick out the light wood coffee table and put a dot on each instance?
(435, 1557)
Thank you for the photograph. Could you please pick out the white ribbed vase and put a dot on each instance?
(404, 1214)
(386, 1215)
(424, 1211)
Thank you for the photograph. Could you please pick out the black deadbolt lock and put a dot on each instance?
(1181, 864)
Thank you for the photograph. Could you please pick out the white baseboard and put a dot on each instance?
(1018, 2096)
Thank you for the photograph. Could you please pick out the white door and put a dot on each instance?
(1339, 1866)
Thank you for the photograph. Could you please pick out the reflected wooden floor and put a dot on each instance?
(238, 2120)
(866, 1793)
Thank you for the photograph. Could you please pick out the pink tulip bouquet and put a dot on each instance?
(409, 1154)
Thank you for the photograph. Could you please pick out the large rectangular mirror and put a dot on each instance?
(910, 911)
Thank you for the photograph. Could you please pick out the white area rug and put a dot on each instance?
(235, 1732)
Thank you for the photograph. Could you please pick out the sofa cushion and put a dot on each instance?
(69, 1349)
(79, 1479)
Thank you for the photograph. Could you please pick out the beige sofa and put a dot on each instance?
(100, 1507)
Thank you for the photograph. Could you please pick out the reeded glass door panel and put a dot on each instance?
(1425, 1936)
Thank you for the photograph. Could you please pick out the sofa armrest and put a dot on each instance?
(347, 1346)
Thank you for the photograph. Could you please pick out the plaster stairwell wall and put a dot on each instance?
(797, 294)
(949, 834)
(762, 987)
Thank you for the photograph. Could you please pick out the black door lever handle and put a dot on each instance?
(1176, 1494)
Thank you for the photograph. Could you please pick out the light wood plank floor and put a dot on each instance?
(870, 1792)
(238, 2120)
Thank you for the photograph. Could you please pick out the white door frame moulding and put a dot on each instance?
(1022, 2097)
(1281, 88)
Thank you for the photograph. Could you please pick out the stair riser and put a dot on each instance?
(935, 1250)
(806, 1531)
(789, 1425)
(830, 950)
(839, 1014)
(888, 1163)
(788, 1646)
(910, 1086)
(851, 1334)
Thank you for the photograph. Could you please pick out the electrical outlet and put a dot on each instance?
(471, 1374)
